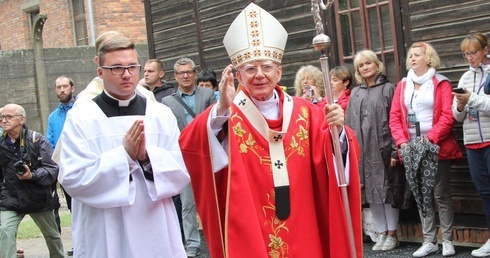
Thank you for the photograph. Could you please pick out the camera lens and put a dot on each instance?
(19, 167)
(21, 170)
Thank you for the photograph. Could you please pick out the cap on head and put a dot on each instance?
(255, 35)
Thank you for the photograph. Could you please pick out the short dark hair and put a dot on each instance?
(345, 73)
(207, 75)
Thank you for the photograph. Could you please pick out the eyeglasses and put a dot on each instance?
(252, 70)
(181, 73)
(9, 117)
(470, 53)
(119, 70)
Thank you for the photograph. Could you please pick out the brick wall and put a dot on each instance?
(465, 236)
(127, 16)
(57, 31)
(14, 23)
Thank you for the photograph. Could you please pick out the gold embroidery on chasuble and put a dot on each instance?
(296, 142)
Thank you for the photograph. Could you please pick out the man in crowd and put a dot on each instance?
(64, 88)
(28, 174)
(154, 73)
(261, 162)
(185, 105)
(121, 163)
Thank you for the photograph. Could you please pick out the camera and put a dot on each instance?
(20, 169)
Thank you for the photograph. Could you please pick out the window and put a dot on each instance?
(368, 24)
(80, 26)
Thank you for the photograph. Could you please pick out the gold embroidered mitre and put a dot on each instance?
(255, 35)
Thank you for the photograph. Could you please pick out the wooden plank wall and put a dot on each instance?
(178, 25)
(445, 24)
(175, 32)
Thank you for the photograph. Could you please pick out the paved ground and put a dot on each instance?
(406, 249)
(36, 248)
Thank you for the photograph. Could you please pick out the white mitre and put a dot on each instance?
(255, 35)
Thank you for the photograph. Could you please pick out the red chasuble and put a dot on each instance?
(237, 204)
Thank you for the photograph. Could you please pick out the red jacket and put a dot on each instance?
(442, 122)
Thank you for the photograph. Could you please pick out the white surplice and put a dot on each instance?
(113, 216)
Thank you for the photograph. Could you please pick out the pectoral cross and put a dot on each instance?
(277, 137)
(278, 164)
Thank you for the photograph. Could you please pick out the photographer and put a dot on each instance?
(28, 173)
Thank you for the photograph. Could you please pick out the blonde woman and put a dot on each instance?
(472, 107)
(382, 181)
(308, 84)
(424, 96)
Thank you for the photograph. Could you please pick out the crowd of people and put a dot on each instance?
(137, 160)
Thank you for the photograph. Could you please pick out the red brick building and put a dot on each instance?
(70, 22)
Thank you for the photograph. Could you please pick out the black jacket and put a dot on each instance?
(36, 194)
(165, 90)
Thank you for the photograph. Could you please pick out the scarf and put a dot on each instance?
(425, 81)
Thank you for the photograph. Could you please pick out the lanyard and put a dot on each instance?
(411, 99)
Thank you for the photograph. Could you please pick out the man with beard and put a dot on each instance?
(64, 88)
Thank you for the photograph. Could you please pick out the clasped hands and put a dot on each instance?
(135, 142)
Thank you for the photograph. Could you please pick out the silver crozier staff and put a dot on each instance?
(321, 42)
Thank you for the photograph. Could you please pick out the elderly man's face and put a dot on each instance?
(12, 119)
(260, 78)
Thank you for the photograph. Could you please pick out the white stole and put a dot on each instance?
(274, 138)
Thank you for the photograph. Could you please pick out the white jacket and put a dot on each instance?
(476, 131)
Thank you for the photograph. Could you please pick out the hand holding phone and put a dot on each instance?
(309, 91)
(459, 90)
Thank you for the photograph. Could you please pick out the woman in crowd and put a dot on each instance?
(424, 96)
(308, 84)
(342, 80)
(382, 181)
(473, 109)
(207, 79)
